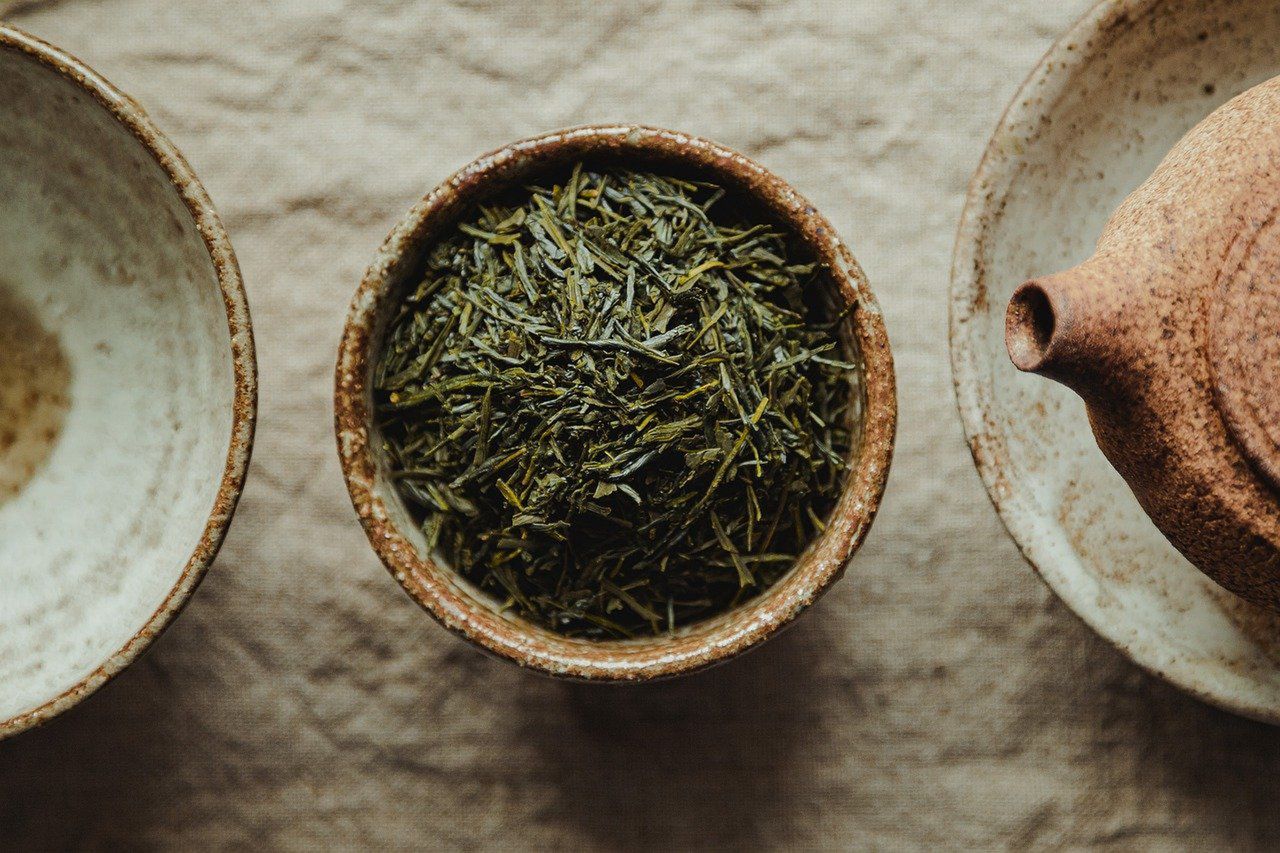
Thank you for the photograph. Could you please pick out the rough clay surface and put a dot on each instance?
(939, 696)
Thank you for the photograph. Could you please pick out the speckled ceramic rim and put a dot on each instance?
(1050, 81)
(438, 590)
(135, 120)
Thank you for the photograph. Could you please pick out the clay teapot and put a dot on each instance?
(1171, 335)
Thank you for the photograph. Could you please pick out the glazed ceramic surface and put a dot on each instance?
(1105, 106)
(453, 601)
(126, 381)
(1170, 334)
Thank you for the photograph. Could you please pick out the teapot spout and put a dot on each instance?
(1070, 327)
(1031, 327)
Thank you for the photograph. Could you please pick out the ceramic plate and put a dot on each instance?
(1091, 123)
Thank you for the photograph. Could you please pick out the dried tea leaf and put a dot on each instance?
(616, 403)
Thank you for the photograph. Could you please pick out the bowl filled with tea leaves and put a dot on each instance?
(615, 403)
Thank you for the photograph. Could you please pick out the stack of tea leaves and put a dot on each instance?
(616, 403)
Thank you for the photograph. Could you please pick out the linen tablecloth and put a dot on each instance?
(938, 696)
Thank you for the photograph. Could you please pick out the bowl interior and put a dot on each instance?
(425, 576)
(116, 384)
(1112, 98)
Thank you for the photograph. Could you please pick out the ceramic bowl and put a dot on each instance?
(127, 381)
(458, 605)
(1092, 122)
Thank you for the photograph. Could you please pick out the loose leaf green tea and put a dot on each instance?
(615, 404)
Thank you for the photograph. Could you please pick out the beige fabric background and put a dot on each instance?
(939, 696)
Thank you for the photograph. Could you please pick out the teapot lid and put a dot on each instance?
(1244, 342)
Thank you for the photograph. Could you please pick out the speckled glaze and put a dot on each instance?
(1171, 334)
(454, 602)
(1147, 326)
(129, 381)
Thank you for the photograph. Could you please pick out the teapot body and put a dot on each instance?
(1171, 335)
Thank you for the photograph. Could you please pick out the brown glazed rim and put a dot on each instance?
(455, 605)
(134, 119)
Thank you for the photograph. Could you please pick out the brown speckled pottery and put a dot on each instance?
(457, 604)
(1171, 334)
(127, 381)
(1109, 101)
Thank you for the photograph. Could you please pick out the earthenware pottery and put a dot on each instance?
(127, 381)
(1165, 327)
(1171, 335)
(473, 615)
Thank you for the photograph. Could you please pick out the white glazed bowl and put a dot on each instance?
(1092, 122)
(127, 381)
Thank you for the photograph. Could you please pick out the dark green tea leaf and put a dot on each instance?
(618, 404)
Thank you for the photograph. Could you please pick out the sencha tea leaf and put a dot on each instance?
(616, 403)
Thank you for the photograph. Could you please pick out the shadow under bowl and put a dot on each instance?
(474, 615)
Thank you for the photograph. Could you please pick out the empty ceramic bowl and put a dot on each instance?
(467, 611)
(127, 381)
